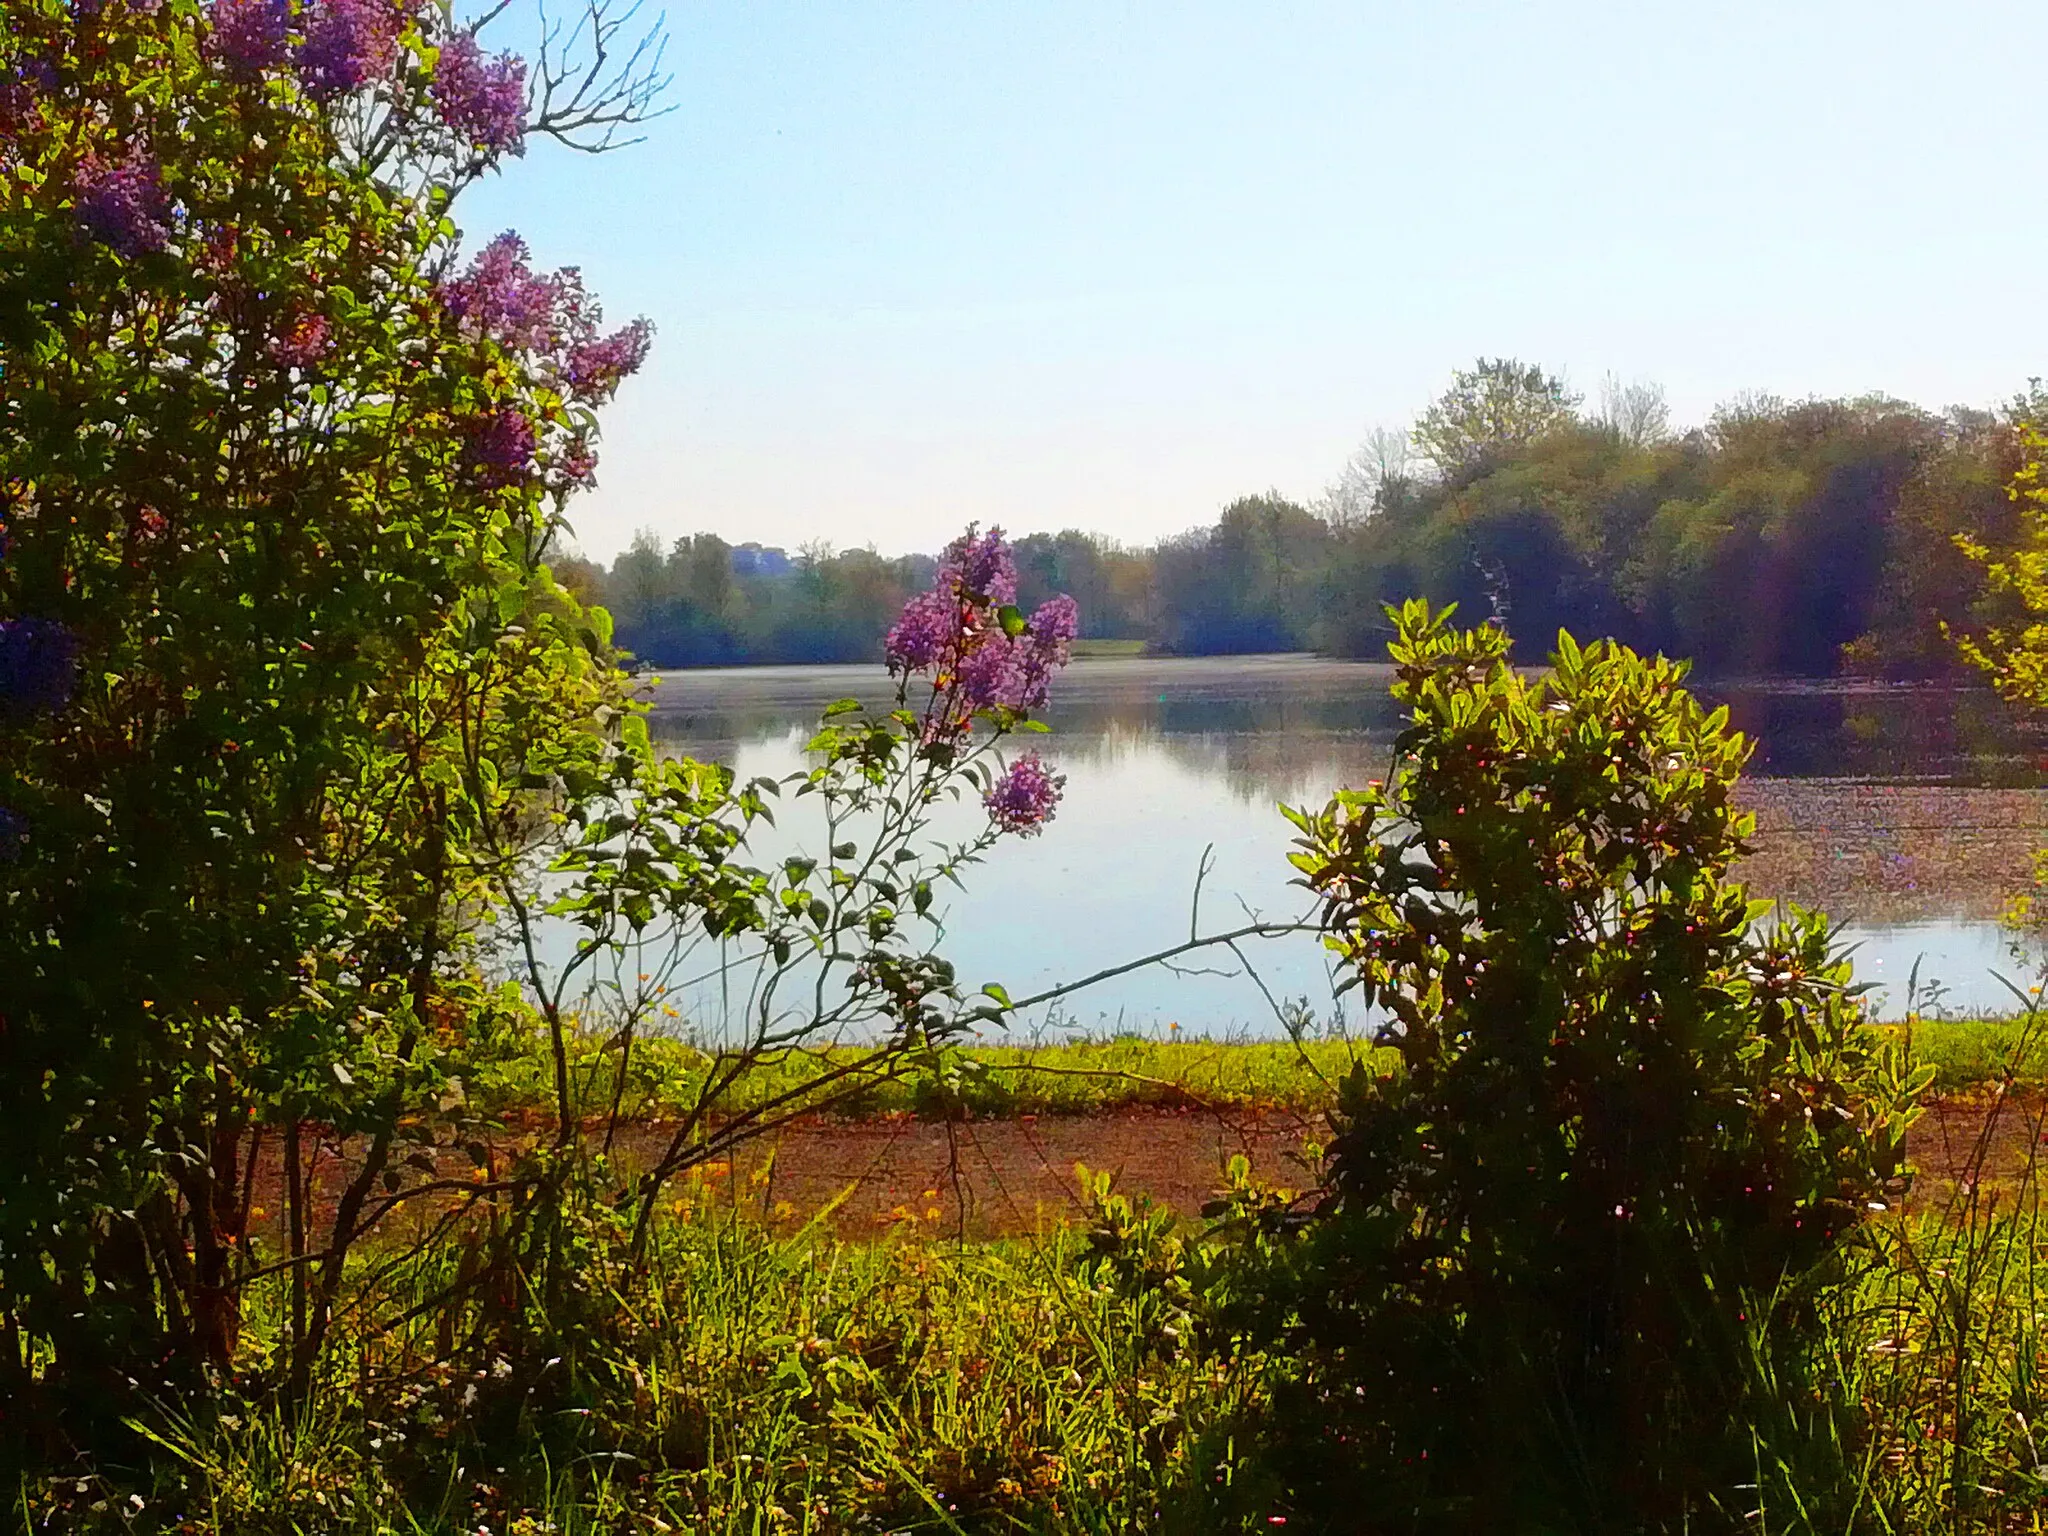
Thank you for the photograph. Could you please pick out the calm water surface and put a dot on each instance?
(1908, 813)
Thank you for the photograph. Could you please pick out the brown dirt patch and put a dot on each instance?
(1966, 1139)
(1003, 1178)
(1006, 1178)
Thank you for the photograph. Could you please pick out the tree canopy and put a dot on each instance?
(1795, 538)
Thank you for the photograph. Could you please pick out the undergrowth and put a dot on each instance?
(750, 1383)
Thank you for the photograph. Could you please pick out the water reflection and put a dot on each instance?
(1909, 813)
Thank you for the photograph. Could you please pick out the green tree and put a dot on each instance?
(1250, 583)
(2012, 648)
(1498, 405)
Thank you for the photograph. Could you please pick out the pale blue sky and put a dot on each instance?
(1110, 265)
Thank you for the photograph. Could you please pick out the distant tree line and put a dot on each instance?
(1781, 537)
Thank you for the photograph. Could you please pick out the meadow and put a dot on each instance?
(757, 1374)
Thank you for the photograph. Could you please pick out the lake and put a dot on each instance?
(1909, 813)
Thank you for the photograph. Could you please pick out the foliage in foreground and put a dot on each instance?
(1628, 1124)
(286, 684)
(748, 1383)
(765, 1383)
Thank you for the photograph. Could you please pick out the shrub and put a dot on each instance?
(1632, 1127)
(285, 682)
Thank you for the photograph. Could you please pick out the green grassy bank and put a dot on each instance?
(1111, 1075)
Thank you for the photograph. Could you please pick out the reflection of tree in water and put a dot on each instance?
(1876, 803)
(1877, 731)
(1256, 767)
(1266, 727)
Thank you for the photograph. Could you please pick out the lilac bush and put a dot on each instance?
(482, 99)
(980, 567)
(500, 298)
(302, 343)
(929, 624)
(594, 369)
(249, 36)
(501, 445)
(838, 945)
(220, 584)
(979, 656)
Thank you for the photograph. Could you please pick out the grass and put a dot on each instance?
(744, 1382)
(741, 1382)
(1107, 1076)
(1969, 1054)
(1076, 1078)
(742, 1379)
(1100, 648)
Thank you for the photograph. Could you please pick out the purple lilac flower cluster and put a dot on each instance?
(302, 342)
(1014, 671)
(976, 575)
(501, 445)
(929, 625)
(38, 666)
(1023, 799)
(23, 86)
(347, 44)
(500, 296)
(123, 206)
(249, 36)
(503, 298)
(594, 369)
(980, 567)
(482, 99)
(956, 632)
(576, 466)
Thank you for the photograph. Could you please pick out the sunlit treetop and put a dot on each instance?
(245, 355)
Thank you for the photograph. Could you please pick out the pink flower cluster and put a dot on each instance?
(1022, 800)
(502, 298)
(956, 632)
(249, 36)
(302, 342)
(501, 446)
(594, 369)
(123, 206)
(348, 43)
(482, 99)
(576, 465)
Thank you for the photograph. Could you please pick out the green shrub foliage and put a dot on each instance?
(1632, 1126)
(286, 687)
